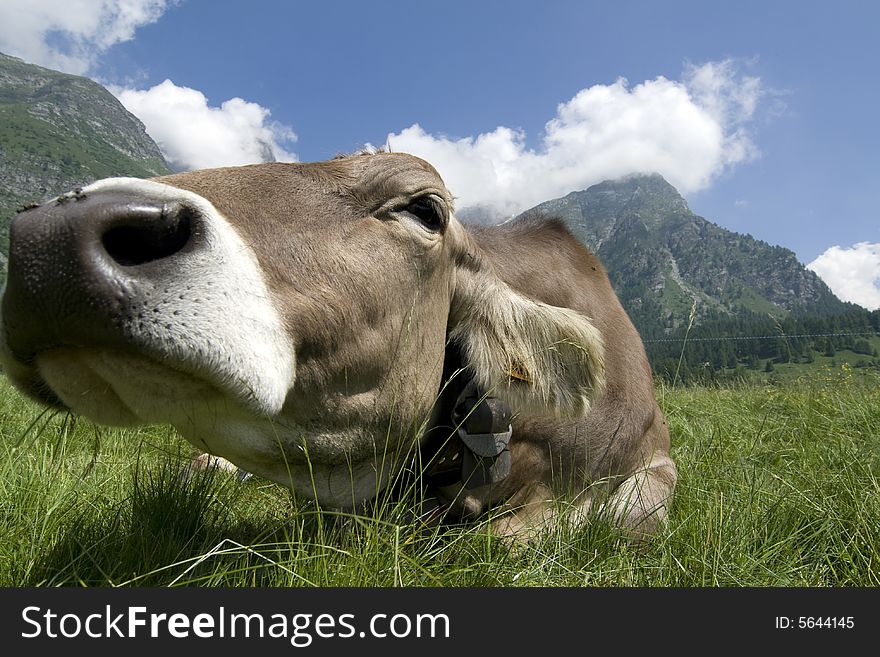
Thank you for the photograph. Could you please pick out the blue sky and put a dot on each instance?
(762, 113)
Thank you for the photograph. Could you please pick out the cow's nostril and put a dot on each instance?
(136, 243)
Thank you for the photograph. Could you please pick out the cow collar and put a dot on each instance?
(468, 447)
(476, 452)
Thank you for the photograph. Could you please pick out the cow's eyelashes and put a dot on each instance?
(427, 211)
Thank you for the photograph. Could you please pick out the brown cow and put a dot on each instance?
(295, 319)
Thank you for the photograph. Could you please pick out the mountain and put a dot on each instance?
(60, 131)
(662, 258)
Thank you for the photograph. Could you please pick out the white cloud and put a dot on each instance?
(729, 98)
(689, 131)
(70, 35)
(853, 274)
(194, 135)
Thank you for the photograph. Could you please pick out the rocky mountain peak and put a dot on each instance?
(663, 259)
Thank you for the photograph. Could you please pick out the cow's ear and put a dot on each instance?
(538, 357)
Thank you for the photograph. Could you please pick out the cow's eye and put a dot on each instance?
(426, 210)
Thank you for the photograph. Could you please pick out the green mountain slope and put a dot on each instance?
(58, 132)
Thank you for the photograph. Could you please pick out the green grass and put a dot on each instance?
(778, 486)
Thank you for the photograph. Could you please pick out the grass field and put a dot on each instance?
(778, 485)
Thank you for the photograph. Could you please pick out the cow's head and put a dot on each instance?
(289, 317)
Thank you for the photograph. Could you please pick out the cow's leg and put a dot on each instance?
(638, 505)
(205, 461)
(528, 512)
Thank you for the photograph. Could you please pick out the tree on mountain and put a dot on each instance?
(783, 351)
(732, 362)
(862, 346)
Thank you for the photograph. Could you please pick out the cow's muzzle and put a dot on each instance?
(81, 267)
(134, 300)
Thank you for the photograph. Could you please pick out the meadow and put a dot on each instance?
(779, 485)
